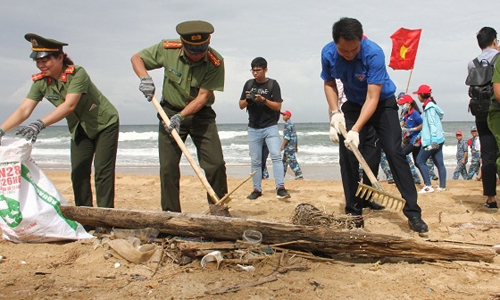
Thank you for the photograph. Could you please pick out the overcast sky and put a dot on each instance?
(103, 35)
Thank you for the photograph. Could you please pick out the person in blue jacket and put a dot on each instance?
(432, 139)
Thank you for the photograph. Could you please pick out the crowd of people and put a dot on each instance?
(360, 96)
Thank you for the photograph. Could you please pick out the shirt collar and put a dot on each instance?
(409, 112)
(427, 102)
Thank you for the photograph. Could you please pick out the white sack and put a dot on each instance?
(29, 202)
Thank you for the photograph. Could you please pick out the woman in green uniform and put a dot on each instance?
(92, 119)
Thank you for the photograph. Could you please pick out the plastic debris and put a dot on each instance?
(212, 256)
(252, 237)
(246, 268)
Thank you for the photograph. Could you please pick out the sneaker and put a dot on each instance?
(418, 225)
(254, 195)
(281, 193)
(435, 178)
(440, 189)
(492, 205)
(426, 189)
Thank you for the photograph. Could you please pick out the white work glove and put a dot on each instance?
(334, 135)
(336, 119)
(406, 131)
(352, 137)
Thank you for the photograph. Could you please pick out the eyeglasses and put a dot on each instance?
(256, 70)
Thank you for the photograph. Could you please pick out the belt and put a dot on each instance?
(170, 106)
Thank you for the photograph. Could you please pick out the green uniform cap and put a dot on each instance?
(41, 46)
(195, 32)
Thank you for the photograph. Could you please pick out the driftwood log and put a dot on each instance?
(354, 243)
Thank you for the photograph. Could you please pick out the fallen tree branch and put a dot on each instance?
(327, 241)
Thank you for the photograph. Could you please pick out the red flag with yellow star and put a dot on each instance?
(404, 48)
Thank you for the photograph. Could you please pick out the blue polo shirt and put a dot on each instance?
(368, 67)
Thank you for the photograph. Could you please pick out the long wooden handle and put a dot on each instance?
(224, 200)
(362, 161)
(184, 149)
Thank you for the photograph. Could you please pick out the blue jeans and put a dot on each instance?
(437, 157)
(271, 136)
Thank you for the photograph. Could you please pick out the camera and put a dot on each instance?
(251, 97)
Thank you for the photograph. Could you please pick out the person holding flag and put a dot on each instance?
(360, 64)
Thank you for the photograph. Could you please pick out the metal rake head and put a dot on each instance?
(380, 196)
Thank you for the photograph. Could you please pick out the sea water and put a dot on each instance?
(138, 145)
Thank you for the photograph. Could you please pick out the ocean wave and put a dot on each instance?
(137, 136)
(50, 152)
(226, 135)
(312, 133)
(318, 149)
(54, 141)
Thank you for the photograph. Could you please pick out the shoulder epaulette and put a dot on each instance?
(64, 75)
(172, 44)
(70, 70)
(214, 59)
(37, 76)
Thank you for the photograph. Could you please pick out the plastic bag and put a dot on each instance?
(29, 202)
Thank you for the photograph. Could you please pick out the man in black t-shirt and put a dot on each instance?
(261, 97)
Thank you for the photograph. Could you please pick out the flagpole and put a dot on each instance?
(409, 79)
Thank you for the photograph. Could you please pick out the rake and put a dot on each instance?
(374, 193)
(217, 206)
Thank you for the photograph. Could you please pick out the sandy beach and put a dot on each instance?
(79, 270)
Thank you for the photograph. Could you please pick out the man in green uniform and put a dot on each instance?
(193, 71)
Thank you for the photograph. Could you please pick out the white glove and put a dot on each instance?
(334, 135)
(336, 119)
(352, 137)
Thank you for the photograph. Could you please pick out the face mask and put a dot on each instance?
(404, 108)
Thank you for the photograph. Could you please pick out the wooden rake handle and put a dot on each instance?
(361, 160)
(184, 149)
(225, 200)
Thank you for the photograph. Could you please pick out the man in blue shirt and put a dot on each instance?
(360, 64)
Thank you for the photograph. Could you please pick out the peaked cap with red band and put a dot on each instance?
(195, 35)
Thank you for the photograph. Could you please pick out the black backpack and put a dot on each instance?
(480, 86)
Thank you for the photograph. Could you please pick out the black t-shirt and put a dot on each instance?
(259, 115)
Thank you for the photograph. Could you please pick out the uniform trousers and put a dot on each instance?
(489, 154)
(202, 129)
(385, 122)
(102, 151)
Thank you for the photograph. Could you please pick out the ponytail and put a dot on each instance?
(67, 61)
